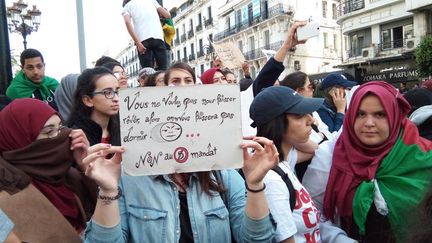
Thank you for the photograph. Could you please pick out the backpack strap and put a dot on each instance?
(291, 190)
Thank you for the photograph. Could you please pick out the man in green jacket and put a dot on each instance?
(31, 81)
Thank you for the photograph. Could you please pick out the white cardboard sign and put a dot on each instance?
(180, 129)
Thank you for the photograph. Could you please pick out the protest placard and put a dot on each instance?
(230, 55)
(180, 129)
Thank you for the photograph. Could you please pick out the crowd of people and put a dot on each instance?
(355, 166)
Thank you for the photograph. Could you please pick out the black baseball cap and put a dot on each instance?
(277, 100)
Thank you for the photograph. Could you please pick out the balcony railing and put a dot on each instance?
(208, 22)
(385, 48)
(198, 27)
(177, 41)
(257, 53)
(389, 45)
(184, 59)
(190, 34)
(272, 12)
(349, 6)
(356, 52)
(408, 44)
(183, 38)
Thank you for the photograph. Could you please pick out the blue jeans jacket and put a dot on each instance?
(6, 226)
(150, 208)
(331, 118)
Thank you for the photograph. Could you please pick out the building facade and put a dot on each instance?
(381, 37)
(253, 26)
(128, 58)
(256, 25)
(195, 27)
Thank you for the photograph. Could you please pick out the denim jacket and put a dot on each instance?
(331, 118)
(150, 208)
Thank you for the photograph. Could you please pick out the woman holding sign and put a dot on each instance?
(187, 207)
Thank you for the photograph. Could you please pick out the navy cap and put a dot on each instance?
(277, 100)
(337, 79)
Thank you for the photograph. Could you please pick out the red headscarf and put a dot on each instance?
(21, 122)
(207, 76)
(427, 84)
(354, 162)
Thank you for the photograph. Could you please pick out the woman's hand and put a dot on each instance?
(246, 68)
(291, 40)
(257, 164)
(79, 146)
(105, 172)
(339, 100)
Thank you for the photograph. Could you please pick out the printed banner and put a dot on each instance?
(180, 129)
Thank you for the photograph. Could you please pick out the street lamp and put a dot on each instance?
(22, 20)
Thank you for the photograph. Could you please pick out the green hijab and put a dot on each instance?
(23, 87)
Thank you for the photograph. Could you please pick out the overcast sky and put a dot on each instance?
(57, 38)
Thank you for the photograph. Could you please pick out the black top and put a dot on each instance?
(268, 75)
(186, 235)
(93, 131)
(50, 100)
(378, 229)
(425, 129)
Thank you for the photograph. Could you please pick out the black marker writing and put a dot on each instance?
(149, 159)
(134, 104)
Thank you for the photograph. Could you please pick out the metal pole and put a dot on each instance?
(5, 56)
(81, 35)
(24, 34)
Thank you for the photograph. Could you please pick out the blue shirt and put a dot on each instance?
(331, 118)
(6, 226)
(150, 208)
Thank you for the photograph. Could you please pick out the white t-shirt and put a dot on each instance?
(145, 18)
(246, 98)
(303, 222)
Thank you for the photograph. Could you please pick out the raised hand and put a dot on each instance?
(339, 100)
(257, 164)
(246, 68)
(105, 172)
(79, 146)
(291, 40)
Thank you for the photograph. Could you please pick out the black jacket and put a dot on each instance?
(94, 132)
(425, 129)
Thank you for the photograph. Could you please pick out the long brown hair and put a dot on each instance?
(208, 184)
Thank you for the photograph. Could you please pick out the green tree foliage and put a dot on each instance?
(424, 57)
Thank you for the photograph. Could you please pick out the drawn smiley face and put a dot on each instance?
(170, 131)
